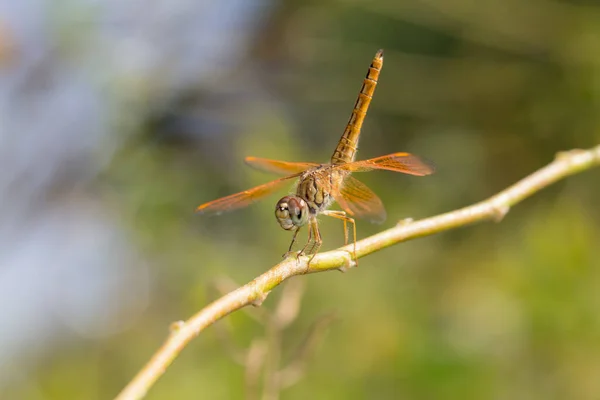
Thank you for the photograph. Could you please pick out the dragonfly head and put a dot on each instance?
(291, 212)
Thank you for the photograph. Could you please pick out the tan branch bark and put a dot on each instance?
(255, 292)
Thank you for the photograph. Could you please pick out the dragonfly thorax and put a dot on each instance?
(315, 187)
(291, 212)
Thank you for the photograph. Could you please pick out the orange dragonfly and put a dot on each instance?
(320, 185)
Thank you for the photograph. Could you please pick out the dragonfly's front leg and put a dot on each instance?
(312, 245)
(289, 252)
(314, 236)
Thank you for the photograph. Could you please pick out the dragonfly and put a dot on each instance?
(320, 185)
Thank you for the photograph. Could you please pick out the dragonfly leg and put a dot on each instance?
(308, 243)
(347, 220)
(316, 239)
(289, 252)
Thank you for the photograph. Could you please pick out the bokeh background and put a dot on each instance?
(117, 118)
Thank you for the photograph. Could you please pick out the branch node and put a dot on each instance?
(350, 262)
(176, 326)
(565, 155)
(260, 298)
(500, 212)
(404, 221)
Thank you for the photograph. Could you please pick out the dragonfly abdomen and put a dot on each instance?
(348, 144)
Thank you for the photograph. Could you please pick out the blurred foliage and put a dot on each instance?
(489, 91)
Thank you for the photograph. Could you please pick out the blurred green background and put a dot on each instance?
(160, 104)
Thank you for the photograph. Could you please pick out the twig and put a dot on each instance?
(292, 373)
(254, 363)
(255, 292)
(288, 308)
(265, 353)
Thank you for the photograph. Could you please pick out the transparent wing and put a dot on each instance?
(398, 162)
(358, 200)
(279, 167)
(245, 198)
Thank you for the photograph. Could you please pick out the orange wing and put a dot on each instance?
(243, 199)
(358, 200)
(398, 162)
(279, 167)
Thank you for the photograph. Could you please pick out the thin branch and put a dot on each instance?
(255, 292)
(292, 373)
(255, 360)
(288, 308)
(271, 386)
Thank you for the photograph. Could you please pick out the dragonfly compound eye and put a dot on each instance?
(282, 213)
(291, 212)
(298, 211)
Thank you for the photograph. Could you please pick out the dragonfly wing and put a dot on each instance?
(398, 162)
(278, 167)
(245, 198)
(358, 200)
